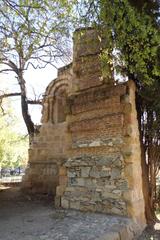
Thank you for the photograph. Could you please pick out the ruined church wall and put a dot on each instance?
(103, 171)
(92, 160)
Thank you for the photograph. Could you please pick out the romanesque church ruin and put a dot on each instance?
(87, 152)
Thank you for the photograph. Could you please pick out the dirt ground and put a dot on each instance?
(23, 217)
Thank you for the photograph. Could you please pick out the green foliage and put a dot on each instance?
(134, 37)
(151, 6)
(34, 33)
(87, 12)
(13, 146)
(33, 30)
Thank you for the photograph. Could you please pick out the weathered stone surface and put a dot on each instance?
(112, 120)
(57, 201)
(85, 171)
(94, 172)
(90, 137)
(91, 160)
(116, 173)
(60, 190)
(64, 203)
(98, 142)
(62, 171)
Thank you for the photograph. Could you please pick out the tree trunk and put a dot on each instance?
(26, 116)
(149, 210)
(24, 106)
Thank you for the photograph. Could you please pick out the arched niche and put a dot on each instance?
(54, 104)
(60, 105)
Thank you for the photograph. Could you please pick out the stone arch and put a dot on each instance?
(54, 104)
(57, 84)
(60, 104)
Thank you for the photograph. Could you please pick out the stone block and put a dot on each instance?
(115, 173)
(94, 172)
(109, 186)
(122, 185)
(95, 143)
(129, 196)
(127, 233)
(57, 202)
(128, 108)
(90, 183)
(128, 131)
(105, 173)
(125, 98)
(71, 174)
(72, 181)
(109, 160)
(85, 171)
(60, 190)
(74, 205)
(80, 182)
(62, 171)
(63, 180)
(118, 192)
(87, 206)
(128, 151)
(70, 189)
(117, 211)
(96, 196)
(107, 195)
(64, 203)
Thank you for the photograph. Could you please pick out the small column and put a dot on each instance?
(51, 111)
(45, 111)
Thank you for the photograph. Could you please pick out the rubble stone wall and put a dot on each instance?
(103, 171)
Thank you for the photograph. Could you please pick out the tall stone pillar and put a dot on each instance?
(87, 64)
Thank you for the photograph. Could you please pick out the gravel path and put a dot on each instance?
(25, 218)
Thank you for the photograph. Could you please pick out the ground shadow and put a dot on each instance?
(151, 233)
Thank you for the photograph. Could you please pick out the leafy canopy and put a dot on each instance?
(34, 31)
(135, 38)
(13, 146)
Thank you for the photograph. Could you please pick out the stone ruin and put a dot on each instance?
(87, 153)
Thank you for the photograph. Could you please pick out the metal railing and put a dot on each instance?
(12, 179)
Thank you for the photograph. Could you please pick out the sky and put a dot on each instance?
(37, 80)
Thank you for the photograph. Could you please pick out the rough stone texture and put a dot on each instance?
(21, 218)
(47, 152)
(87, 70)
(91, 160)
(104, 168)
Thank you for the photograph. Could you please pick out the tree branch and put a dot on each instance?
(34, 102)
(6, 70)
(5, 95)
